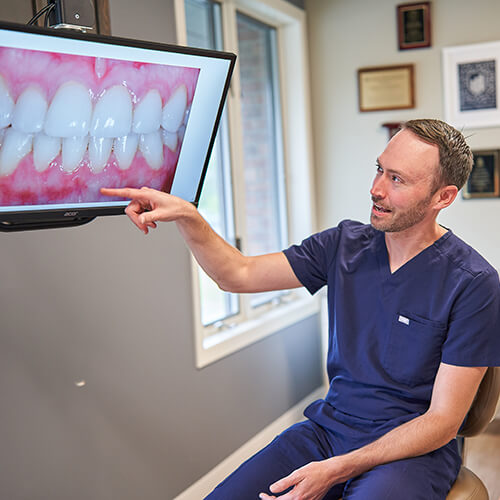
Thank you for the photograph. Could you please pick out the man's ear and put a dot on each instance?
(445, 196)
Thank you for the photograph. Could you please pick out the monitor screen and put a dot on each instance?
(79, 112)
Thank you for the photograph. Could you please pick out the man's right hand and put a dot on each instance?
(149, 206)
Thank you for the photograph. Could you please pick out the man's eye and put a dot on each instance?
(395, 178)
(379, 169)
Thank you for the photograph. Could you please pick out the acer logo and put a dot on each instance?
(70, 214)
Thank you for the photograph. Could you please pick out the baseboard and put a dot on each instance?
(208, 482)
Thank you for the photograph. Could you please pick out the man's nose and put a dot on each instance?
(378, 187)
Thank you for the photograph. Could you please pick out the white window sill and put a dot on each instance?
(237, 337)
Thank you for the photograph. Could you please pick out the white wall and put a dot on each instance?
(348, 34)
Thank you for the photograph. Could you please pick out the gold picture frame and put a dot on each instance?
(383, 88)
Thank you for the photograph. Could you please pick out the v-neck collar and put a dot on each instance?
(383, 256)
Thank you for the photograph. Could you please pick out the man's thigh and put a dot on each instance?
(428, 477)
(297, 446)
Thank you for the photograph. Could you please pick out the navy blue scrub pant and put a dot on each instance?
(428, 477)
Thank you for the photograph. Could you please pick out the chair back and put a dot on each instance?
(484, 406)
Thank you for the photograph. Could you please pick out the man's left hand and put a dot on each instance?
(310, 482)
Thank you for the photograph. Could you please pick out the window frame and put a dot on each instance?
(213, 342)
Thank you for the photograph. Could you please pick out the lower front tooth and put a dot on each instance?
(125, 149)
(99, 151)
(151, 147)
(169, 139)
(73, 149)
(16, 145)
(45, 149)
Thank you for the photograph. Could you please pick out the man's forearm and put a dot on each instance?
(221, 261)
(416, 437)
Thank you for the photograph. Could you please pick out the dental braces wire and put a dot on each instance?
(44, 10)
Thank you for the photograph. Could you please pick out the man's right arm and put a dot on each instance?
(227, 266)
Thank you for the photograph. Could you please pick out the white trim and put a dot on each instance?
(232, 339)
(207, 483)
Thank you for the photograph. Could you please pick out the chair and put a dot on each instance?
(482, 411)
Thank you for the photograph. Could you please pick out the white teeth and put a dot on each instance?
(16, 146)
(170, 140)
(99, 151)
(151, 147)
(2, 135)
(30, 110)
(73, 149)
(112, 113)
(147, 114)
(173, 111)
(125, 148)
(70, 111)
(45, 149)
(6, 104)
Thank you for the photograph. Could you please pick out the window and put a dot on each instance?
(258, 163)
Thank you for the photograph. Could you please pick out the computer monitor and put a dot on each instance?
(81, 111)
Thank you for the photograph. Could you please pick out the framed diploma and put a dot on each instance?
(384, 88)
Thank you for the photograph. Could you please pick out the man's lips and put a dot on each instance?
(380, 208)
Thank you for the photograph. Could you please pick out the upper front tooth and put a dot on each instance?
(16, 146)
(99, 151)
(70, 111)
(147, 114)
(45, 149)
(151, 147)
(173, 111)
(113, 113)
(73, 149)
(125, 149)
(29, 113)
(6, 104)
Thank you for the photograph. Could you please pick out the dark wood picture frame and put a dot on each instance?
(484, 180)
(414, 25)
(103, 22)
(383, 88)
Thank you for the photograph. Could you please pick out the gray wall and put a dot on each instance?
(105, 304)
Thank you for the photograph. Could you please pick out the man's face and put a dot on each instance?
(402, 191)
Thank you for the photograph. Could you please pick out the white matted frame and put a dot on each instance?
(471, 85)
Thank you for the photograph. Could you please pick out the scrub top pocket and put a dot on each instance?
(413, 351)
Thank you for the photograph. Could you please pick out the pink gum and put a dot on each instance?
(21, 68)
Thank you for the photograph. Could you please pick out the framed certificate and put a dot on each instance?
(386, 87)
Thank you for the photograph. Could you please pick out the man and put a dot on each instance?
(414, 322)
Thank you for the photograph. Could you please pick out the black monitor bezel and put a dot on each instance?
(19, 220)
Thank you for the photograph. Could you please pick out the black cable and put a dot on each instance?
(41, 12)
(46, 20)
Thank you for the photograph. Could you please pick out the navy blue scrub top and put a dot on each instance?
(388, 332)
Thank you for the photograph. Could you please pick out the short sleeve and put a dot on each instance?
(474, 330)
(312, 259)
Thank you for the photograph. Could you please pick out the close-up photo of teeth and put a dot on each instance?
(71, 124)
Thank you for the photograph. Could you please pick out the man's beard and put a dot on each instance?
(402, 220)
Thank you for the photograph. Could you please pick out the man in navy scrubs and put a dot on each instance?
(414, 322)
